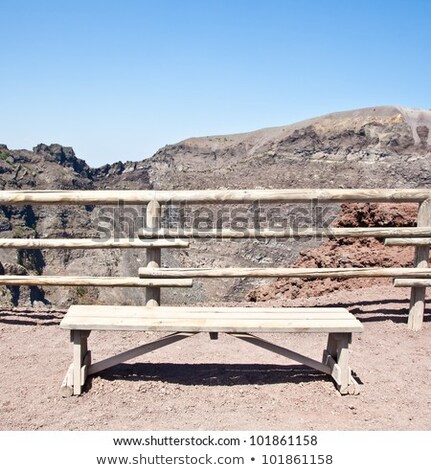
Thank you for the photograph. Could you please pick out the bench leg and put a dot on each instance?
(331, 348)
(336, 356)
(77, 373)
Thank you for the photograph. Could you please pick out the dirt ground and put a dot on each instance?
(199, 384)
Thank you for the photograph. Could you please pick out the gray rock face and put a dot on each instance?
(330, 151)
(373, 147)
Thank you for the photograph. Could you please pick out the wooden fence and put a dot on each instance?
(153, 238)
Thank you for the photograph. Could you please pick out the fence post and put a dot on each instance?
(417, 296)
(152, 294)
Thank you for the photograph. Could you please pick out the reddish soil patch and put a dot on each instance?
(347, 253)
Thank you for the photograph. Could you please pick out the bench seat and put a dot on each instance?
(239, 322)
(211, 319)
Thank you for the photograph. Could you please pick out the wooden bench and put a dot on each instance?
(184, 322)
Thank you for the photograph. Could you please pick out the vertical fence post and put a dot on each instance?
(153, 219)
(417, 296)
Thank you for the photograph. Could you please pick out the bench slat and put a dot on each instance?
(219, 316)
(251, 312)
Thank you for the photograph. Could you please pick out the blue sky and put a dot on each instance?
(117, 80)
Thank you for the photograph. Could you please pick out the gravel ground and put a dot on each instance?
(199, 384)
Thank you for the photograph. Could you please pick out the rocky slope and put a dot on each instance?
(373, 147)
(383, 146)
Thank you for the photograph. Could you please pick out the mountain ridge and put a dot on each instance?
(415, 115)
(419, 121)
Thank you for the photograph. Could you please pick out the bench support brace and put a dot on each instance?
(335, 358)
(82, 367)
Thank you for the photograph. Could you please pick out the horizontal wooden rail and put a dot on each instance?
(408, 242)
(379, 232)
(91, 243)
(113, 197)
(413, 282)
(92, 281)
(283, 272)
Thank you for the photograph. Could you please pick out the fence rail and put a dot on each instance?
(327, 232)
(88, 243)
(96, 281)
(113, 197)
(284, 272)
